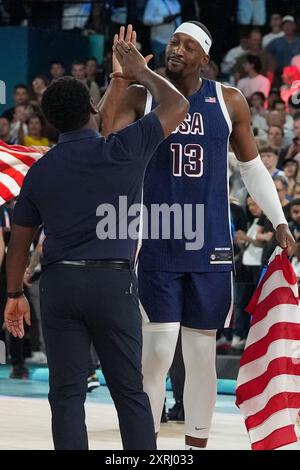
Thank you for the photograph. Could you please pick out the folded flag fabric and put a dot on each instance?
(268, 383)
(15, 161)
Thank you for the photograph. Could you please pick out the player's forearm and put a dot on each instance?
(109, 104)
(261, 188)
(16, 262)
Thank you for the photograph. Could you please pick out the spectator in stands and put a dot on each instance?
(285, 48)
(254, 48)
(282, 186)
(265, 231)
(39, 85)
(254, 81)
(294, 104)
(269, 157)
(279, 105)
(295, 220)
(290, 168)
(79, 71)
(276, 29)
(296, 192)
(163, 16)
(5, 130)
(295, 229)
(18, 125)
(294, 148)
(211, 71)
(92, 72)
(251, 12)
(274, 95)
(20, 96)
(36, 132)
(275, 139)
(259, 113)
(291, 80)
(233, 54)
(249, 273)
(57, 69)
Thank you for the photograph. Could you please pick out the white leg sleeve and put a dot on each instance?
(159, 343)
(200, 389)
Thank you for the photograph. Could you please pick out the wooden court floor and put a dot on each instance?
(25, 424)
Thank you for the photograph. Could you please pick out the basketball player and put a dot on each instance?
(177, 286)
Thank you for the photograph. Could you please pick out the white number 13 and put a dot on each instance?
(194, 154)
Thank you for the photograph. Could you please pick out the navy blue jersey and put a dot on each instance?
(190, 171)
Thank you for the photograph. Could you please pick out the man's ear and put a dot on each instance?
(93, 108)
(205, 60)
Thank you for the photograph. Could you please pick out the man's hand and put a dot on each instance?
(285, 239)
(129, 37)
(131, 61)
(16, 311)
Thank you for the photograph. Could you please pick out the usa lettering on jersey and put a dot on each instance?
(191, 125)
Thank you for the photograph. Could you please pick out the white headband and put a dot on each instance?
(196, 33)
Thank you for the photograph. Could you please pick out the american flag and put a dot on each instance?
(15, 161)
(210, 99)
(268, 384)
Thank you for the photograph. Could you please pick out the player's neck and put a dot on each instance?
(188, 86)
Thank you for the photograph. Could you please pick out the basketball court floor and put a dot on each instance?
(25, 421)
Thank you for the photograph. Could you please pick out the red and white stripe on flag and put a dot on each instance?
(268, 383)
(15, 161)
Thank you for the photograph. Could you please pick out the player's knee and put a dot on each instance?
(163, 355)
(199, 348)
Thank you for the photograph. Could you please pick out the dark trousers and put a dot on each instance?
(80, 304)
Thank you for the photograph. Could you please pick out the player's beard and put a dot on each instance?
(173, 75)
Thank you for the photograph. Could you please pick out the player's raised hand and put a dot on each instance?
(128, 36)
(130, 59)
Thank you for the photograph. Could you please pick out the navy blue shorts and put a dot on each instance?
(196, 300)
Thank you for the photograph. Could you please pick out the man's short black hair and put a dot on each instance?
(66, 104)
(20, 85)
(200, 25)
(260, 95)
(55, 62)
(255, 61)
(295, 202)
(78, 62)
(279, 101)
